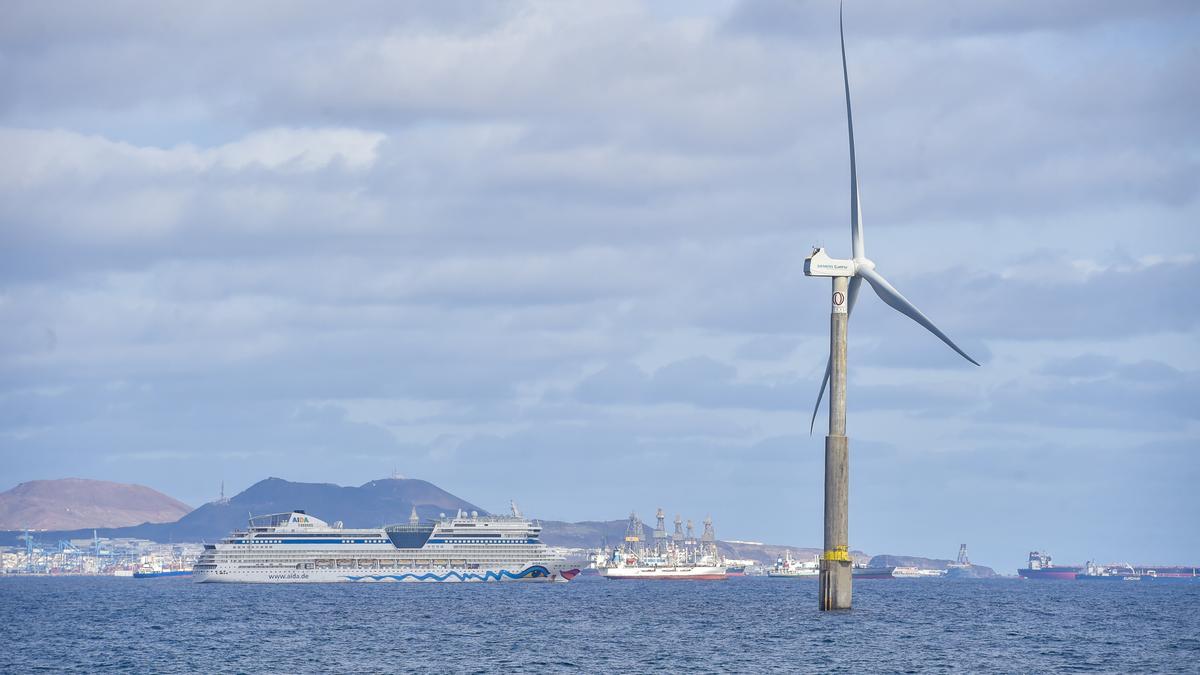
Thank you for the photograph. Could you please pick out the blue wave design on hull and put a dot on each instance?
(536, 572)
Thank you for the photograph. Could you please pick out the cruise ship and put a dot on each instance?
(297, 548)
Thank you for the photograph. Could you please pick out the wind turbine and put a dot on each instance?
(848, 275)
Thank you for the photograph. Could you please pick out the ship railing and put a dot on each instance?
(270, 520)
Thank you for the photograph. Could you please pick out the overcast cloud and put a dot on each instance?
(553, 252)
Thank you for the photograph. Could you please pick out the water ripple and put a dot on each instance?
(591, 625)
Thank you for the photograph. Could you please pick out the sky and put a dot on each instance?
(553, 252)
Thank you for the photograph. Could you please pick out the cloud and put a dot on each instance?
(698, 381)
(932, 19)
(1084, 365)
(766, 348)
(37, 157)
(1090, 392)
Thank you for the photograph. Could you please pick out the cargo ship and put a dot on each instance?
(296, 547)
(1042, 567)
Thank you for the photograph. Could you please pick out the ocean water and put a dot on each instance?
(593, 625)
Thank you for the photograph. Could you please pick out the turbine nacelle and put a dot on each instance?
(819, 264)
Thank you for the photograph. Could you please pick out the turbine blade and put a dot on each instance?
(821, 394)
(852, 295)
(856, 234)
(891, 296)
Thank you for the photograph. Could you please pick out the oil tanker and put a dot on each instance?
(1042, 567)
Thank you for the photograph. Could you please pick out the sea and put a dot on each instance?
(592, 625)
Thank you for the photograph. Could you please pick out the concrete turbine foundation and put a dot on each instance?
(836, 570)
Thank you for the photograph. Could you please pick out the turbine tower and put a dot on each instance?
(835, 575)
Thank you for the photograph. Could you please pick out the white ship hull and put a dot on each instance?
(534, 573)
(800, 574)
(685, 573)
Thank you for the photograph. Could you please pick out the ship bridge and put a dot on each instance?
(293, 521)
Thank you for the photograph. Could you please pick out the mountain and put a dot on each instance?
(373, 504)
(72, 503)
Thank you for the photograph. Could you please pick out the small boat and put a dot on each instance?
(154, 570)
(785, 567)
(867, 572)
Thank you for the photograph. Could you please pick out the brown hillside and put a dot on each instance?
(74, 503)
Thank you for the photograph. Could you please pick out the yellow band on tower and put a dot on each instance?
(838, 553)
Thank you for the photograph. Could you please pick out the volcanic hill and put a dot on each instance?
(72, 503)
